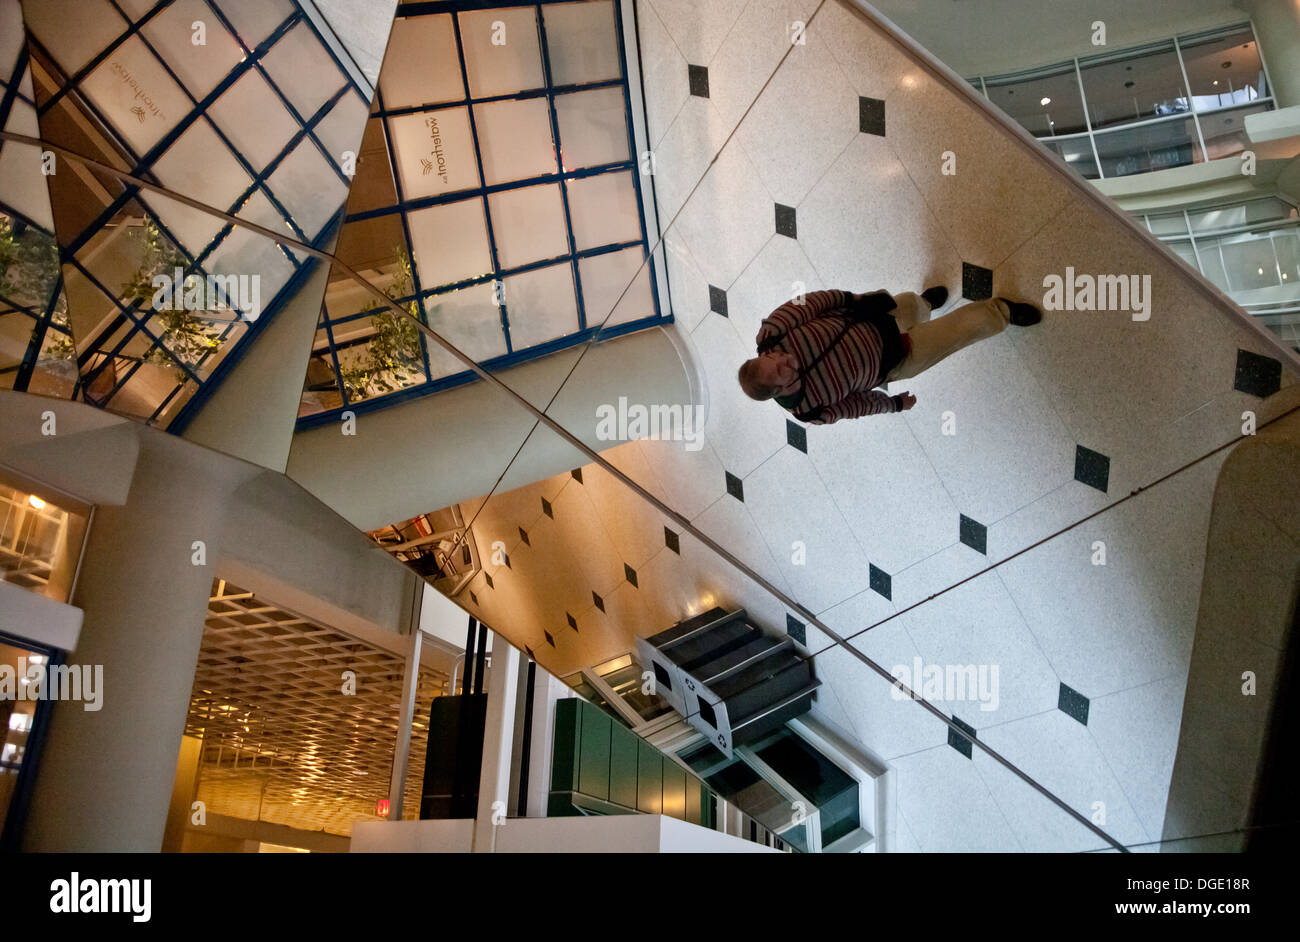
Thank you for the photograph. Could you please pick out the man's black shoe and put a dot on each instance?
(1022, 315)
(936, 297)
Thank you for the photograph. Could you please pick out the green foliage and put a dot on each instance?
(29, 265)
(392, 359)
(189, 337)
(29, 271)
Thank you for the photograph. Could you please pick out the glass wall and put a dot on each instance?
(497, 199)
(245, 107)
(1167, 104)
(1250, 249)
(23, 713)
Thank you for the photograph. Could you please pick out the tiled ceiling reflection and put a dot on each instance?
(245, 106)
(282, 741)
(496, 197)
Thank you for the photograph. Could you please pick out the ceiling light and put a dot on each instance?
(36, 502)
(1045, 101)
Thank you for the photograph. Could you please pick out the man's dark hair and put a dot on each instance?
(750, 383)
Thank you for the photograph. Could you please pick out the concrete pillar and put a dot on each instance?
(183, 791)
(253, 412)
(105, 777)
(1277, 26)
(498, 736)
(399, 445)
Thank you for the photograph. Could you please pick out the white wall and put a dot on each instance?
(620, 834)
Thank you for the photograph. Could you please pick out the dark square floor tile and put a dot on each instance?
(573, 622)
(1258, 375)
(880, 580)
(576, 473)
(630, 574)
(598, 601)
(785, 221)
(976, 282)
(523, 535)
(549, 639)
(959, 742)
(796, 435)
(1073, 704)
(699, 79)
(505, 558)
(717, 300)
(974, 534)
(871, 116)
(795, 629)
(487, 577)
(672, 542)
(473, 598)
(546, 508)
(735, 487)
(1091, 468)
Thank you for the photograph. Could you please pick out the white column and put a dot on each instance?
(405, 716)
(1277, 26)
(498, 735)
(105, 777)
(253, 412)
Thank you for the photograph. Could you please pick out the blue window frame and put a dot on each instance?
(261, 59)
(475, 204)
(21, 745)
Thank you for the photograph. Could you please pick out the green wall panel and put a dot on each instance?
(593, 754)
(595, 758)
(564, 755)
(623, 761)
(650, 779)
(674, 790)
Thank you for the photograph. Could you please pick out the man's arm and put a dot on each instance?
(793, 313)
(871, 402)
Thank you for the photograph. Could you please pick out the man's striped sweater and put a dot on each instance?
(841, 384)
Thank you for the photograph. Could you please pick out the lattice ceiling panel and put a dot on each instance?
(282, 741)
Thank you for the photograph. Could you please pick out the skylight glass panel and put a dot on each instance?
(421, 66)
(581, 42)
(502, 53)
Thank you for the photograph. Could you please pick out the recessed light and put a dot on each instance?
(1045, 101)
(36, 502)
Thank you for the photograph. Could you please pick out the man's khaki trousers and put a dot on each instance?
(934, 340)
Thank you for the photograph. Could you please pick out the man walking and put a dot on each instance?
(823, 357)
